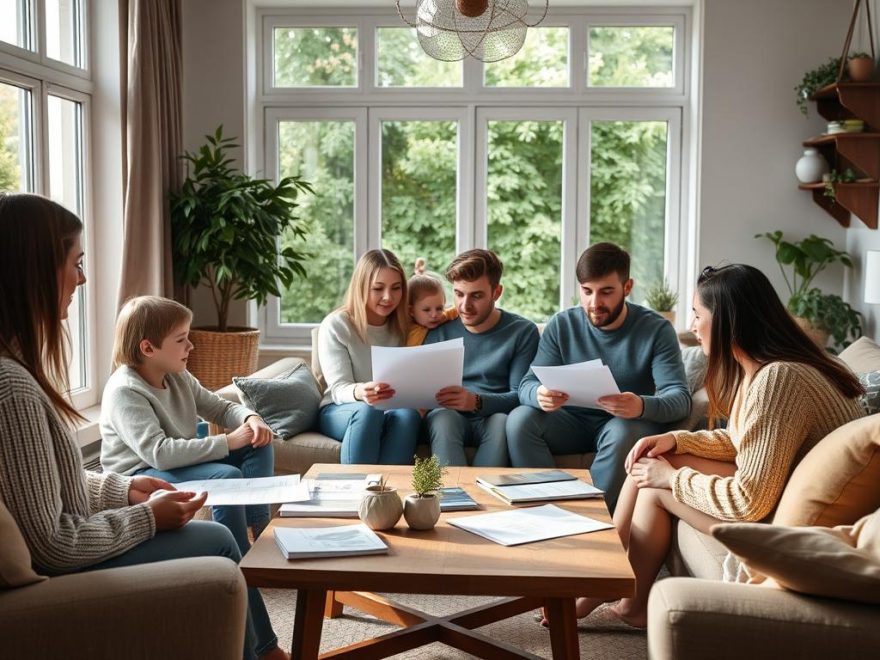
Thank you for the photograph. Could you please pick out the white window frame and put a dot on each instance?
(576, 104)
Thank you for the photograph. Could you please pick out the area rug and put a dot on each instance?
(602, 637)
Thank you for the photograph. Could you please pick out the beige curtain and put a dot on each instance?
(151, 72)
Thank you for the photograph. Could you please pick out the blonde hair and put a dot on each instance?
(421, 284)
(365, 273)
(145, 317)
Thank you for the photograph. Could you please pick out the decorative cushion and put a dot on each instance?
(862, 356)
(15, 558)
(695, 366)
(870, 400)
(288, 404)
(843, 562)
(838, 481)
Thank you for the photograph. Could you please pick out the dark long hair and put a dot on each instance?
(37, 235)
(747, 315)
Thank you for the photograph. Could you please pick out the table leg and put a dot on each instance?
(333, 608)
(307, 623)
(563, 628)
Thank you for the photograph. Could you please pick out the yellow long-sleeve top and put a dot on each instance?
(417, 333)
(785, 411)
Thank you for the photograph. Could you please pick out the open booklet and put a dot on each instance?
(528, 525)
(313, 542)
(417, 373)
(584, 382)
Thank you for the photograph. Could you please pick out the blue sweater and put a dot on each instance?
(495, 360)
(643, 356)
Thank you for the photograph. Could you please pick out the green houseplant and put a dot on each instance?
(815, 79)
(225, 227)
(421, 509)
(662, 299)
(826, 314)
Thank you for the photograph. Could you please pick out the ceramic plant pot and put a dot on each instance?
(380, 509)
(421, 512)
(860, 69)
(669, 316)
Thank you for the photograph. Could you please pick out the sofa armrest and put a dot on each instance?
(699, 409)
(231, 392)
(180, 609)
(696, 619)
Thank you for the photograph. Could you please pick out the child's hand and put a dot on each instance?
(262, 434)
(240, 437)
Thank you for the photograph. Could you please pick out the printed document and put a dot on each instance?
(528, 525)
(584, 382)
(309, 542)
(554, 490)
(417, 373)
(261, 490)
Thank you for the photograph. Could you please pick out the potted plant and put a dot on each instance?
(421, 509)
(816, 79)
(662, 299)
(860, 67)
(818, 313)
(847, 176)
(380, 507)
(225, 230)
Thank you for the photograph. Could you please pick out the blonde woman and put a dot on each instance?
(372, 315)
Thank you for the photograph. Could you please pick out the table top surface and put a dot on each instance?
(449, 560)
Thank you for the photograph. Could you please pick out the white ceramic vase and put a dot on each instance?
(811, 166)
(380, 509)
(421, 512)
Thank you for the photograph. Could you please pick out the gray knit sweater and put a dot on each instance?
(70, 518)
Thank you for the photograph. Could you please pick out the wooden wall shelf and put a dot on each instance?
(859, 199)
(860, 151)
(847, 100)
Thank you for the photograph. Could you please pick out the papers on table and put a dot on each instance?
(584, 382)
(331, 495)
(417, 373)
(554, 490)
(344, 541)
(525, 478)
(528, 525)
(233, 492)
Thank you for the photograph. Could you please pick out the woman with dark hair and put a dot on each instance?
(72, 519)
(781, 394)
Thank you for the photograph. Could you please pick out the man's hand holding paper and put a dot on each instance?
(417, 373)
(584, 384)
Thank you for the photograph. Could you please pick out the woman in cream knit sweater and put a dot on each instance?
(781, 394)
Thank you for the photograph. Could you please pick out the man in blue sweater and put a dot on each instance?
(641, 349)
(498, 349)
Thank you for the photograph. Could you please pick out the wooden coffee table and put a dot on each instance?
(445, 560)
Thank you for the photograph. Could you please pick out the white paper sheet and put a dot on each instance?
(528, 525)
(584, 382)
(262, 490)
(417, 373)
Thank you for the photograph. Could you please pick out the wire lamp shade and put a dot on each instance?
(872, 277)
(488, 30)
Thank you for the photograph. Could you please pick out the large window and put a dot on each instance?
(574, 140)
(44, 108)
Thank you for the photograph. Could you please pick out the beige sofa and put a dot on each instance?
(173, 610)
(706, 618)
(296, 455)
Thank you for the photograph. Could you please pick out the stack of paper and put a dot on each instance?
(313, 542)
(262, 490)
(522, 478)
(331, 495)
(554, 490)
(437, 366)
(528, 525)
(584, 382)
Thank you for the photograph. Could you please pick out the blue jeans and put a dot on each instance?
(449, 431)
(246, 462)
(534, 436)
(371, 436)
(203, 539)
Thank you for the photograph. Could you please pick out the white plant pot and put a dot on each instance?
(380, 509)
(811, 166)
(421, 512)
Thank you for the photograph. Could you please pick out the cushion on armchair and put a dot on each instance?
(288, 404)
(15, 558)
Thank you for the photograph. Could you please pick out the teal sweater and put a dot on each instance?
(495, 360)
(643, 356)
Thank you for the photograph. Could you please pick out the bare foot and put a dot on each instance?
(630, 617)
(583, 607)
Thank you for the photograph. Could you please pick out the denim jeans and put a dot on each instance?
(371, 436)
(203, 539)
(450, 430)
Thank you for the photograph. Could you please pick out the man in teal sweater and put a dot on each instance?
(639, 347)
(498, 348)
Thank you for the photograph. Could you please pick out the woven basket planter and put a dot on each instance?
(218, 356)
(818, 335)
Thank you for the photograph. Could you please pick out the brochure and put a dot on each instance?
(456, 499)
(313, 542)
(525, 478)
(556, 490)
(528, 525)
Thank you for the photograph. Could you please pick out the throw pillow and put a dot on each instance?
(849, 557)
(288, 404)
(862, 355)
(870, 400)
(695, 366)
(15, 558)
(838, 481)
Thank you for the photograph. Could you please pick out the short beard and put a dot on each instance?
(612, 317)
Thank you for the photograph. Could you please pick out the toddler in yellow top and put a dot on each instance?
(426, 304)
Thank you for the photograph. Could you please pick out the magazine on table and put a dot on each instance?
(456, 499)
(314, 542)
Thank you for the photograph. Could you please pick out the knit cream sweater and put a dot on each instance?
(786, 410)
(70, 518)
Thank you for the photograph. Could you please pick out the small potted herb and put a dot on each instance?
(860, 67)
(662, 299)
(421, 509)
